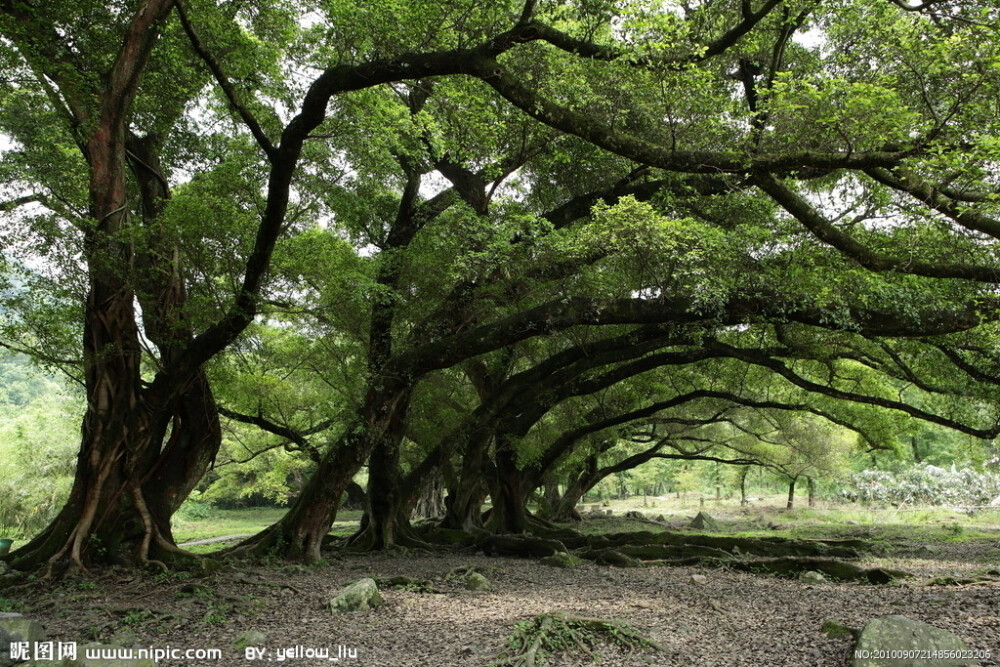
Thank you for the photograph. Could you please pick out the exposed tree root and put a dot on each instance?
(523, 547)
(775, 547)
(407, 584)
(535, 640)
(610, 557)
(835, 569)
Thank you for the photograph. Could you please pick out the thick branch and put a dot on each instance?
(935, 199)
(825, 231)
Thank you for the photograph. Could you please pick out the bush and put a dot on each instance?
(924, 485)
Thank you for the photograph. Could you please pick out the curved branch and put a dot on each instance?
(779, 367)
(227, 86)
(825, 231)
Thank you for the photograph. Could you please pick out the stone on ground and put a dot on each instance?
(699, 579)
(250, 638)
(359, 596)
(899, 633)
(17, 628)
(703, 521)
(477, 582)
(812, 577)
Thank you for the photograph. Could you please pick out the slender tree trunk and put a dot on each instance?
(791, 494)
(574, 494)
(811, 487)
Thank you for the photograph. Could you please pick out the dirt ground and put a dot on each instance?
(731, 618)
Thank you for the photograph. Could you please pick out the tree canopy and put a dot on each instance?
(487, 243)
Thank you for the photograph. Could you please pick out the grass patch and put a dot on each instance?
(219, 523)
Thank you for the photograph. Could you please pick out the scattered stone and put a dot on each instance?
(927, 550)
(898, 633)
(477, 582)
(250, 638)
(812, 577)
(561, 559)
(704, 521)
(836, 630)
(773, 526)
(699, 579)
(660, 519)
(635, 514)
(359, 596)
(17, 628)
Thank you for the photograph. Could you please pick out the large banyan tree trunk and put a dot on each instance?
(299, 534)
(127, 484)
(464, 502)
(509, 514)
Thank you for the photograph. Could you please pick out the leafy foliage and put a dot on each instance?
(924, 485)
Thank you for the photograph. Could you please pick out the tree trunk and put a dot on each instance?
(551, 499)
(791, 495)
(429, 502)
(509, 514)
(571, 497)
(464, 503)
(743, 484)
(811, 488)
(299, 534)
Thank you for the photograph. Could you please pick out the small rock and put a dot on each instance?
(477, 582)
(899, 633)
(812, 577)
(704, 521)
(359, 596)
(699, 579)
(250, 638)
(561, 559)
(634, 514)
(17, 628)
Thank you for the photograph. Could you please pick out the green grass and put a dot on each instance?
(221, 522)
(889, 529)
(225, 522)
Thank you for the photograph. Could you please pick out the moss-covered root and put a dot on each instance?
(535, 640)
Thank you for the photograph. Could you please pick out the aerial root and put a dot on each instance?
(535, 640)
